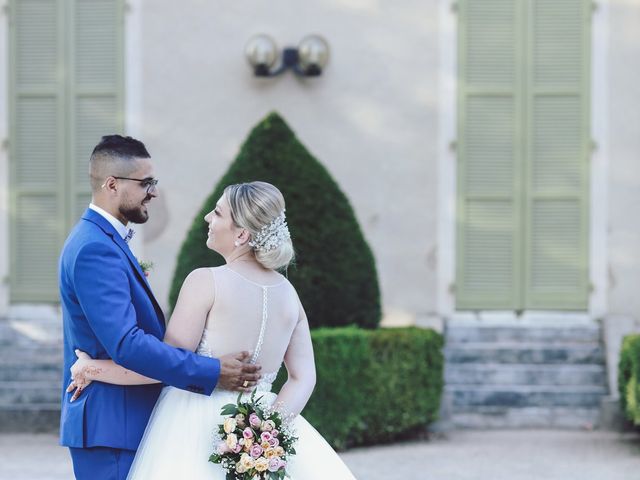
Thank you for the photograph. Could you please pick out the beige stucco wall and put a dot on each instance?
(371, 119)
(624, 148)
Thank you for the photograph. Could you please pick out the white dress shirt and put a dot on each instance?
(117, 224)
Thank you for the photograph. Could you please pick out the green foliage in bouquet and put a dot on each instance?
(335, 273)
(374, 386)
(249, 426)
(629, 377)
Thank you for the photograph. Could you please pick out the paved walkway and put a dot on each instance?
(462, 455)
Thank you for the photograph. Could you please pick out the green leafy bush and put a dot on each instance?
(335, 272)
(374, 386)
(629, 377)
(336, 406)
(408, 367)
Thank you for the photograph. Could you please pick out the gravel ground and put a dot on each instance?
(457, 455)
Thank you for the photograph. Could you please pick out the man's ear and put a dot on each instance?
(110, 185)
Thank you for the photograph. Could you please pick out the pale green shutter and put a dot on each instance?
(36, 148)
(488, 155)
(557, 154)
(65, 91)
(95, 88)
(523, 110)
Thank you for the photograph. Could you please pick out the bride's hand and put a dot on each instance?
(79, 380)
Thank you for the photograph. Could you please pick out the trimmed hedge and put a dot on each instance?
(374, 386)
(335, 273)
(629, 377)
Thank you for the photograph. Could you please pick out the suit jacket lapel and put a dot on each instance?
(102, 222)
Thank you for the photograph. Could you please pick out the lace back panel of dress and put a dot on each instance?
(235, 322)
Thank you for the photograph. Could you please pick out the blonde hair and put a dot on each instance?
(253, 206)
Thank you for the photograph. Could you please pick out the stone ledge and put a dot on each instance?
(44, 418)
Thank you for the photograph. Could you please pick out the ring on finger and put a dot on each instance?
(245, 384)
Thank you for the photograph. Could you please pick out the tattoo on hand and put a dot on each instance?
(92, 371)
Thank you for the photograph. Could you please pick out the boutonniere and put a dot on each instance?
(146, 267)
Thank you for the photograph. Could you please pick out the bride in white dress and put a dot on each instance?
(243, 305)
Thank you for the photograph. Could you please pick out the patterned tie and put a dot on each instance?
(130, 233)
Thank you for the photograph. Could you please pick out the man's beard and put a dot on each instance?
(134, 213)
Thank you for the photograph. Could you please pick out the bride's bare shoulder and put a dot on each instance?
(217, 269)
(201, 273)
(292, 289)
(204, 276)
(198, 279)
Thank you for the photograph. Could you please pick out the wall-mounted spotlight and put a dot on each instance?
(308, 60)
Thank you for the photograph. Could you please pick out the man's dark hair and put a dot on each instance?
(119, 146)
(114, 155)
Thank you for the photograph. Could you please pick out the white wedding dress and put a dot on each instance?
(269, 321)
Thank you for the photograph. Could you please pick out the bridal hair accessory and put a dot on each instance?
(273, 235)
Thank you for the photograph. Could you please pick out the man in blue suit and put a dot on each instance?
(109, 311)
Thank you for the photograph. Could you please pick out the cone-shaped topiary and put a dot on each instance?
(335, 272)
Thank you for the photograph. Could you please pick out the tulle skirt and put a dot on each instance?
(180, 438)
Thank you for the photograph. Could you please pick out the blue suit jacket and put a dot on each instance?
(109, 311)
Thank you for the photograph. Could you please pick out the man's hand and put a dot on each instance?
(237, 374)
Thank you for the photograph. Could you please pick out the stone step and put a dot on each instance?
(25, 333)
(528, 417)
(41, 355)
(33, 371)
(35, 393)
(526, 334)
(540, 353)
(30, 418)
(524, 374)
(465, 396)
(30, 375)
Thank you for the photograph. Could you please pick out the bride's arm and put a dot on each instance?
(86, 370)
(301, 367)
(184, 331)
(189, 316)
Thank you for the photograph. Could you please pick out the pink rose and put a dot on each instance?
(256, 451)
(267, 426)
(274, 464)
(247, 433)
(265, 436)
(222, 448)
(254, 420)
(274, 442)
(274, 433)
(237, 449)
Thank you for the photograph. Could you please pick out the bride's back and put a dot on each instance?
(235, 321)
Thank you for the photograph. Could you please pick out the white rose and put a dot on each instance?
(230, 425)
(262, 464)
(232, 441)
(267, 426)
(246, 461)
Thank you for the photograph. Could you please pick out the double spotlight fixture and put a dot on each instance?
(307, 60)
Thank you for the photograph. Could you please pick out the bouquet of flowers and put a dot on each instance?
(254, 442)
